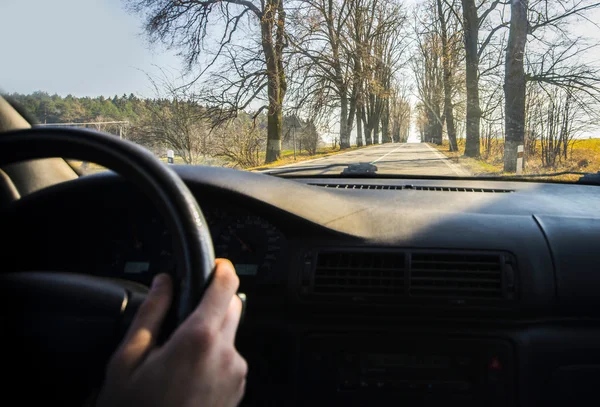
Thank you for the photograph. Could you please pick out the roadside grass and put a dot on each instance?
(584, 156)
(287, 156)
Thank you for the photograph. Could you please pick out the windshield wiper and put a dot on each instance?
(360, 169)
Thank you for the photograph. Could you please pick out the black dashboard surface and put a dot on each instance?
(275, 229)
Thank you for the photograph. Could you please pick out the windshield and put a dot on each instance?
(433, 88)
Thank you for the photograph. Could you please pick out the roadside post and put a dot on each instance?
(520, 159)
(170, 157)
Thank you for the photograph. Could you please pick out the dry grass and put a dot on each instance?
(584, 157)
(287, 156)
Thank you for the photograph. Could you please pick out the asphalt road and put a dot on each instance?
(410, 158)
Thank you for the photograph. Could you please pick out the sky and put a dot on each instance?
(81, 47)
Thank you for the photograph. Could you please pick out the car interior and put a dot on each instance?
(361, 291)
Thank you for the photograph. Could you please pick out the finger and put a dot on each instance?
(232, 319)
(242, 372)
(146, 325)
(214, 305)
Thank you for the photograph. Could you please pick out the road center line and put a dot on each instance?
(385, 155)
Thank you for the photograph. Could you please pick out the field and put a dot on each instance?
(583, 157)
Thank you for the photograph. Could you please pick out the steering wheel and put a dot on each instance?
(38, 306)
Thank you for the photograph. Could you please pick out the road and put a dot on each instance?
(410, 158)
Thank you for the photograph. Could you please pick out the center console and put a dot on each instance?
(380, 370)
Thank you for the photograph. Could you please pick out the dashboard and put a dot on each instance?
(136, 245)
(366, 292)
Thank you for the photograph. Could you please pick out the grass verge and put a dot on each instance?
(584, 156)
(287, 157)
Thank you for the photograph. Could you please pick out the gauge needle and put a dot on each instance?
(244, 245)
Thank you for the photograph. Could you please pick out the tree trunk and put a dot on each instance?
(471, 33)
(376, 133)
(276, 76)
(438, 127)
(351, 114)
(274, 129)
(359, 133)
(344, 132)
(514, 84)
(396, 130)
(367, 128)
(448, 108)
(385, 123)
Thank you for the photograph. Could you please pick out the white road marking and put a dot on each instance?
(385, 155)
(457, 169)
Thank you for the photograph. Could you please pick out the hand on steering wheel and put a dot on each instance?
(198, 365)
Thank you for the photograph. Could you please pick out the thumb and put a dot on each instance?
(145, 327)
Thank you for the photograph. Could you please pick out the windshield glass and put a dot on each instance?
(461, 88)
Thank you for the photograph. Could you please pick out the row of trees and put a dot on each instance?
(474, 63)
(344, 58)
(173, 120)
(332, 61)
(522, 78)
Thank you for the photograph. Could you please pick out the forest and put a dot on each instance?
(178, 122)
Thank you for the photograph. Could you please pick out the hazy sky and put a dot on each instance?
(82, 47)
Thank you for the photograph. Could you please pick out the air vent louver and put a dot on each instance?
(456, 275)
(413, 187)
(360, 273)
(404, 275)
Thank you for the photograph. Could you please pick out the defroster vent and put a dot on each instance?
(410, 187)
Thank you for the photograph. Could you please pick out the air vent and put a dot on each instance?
(456, 275)
(413, 187)
(413, 276)
(359, 273)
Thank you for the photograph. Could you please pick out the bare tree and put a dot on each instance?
(240, 141)
(552, 58)
(309, 138)
(185, 26)
(449, 62)
(514, 83)
(400, 114)
(389, 45)
(323, 68)
(346, 55)
(474, 18)
(427, 67)
(173, 120)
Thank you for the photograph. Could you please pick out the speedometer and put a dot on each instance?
(251, 243)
